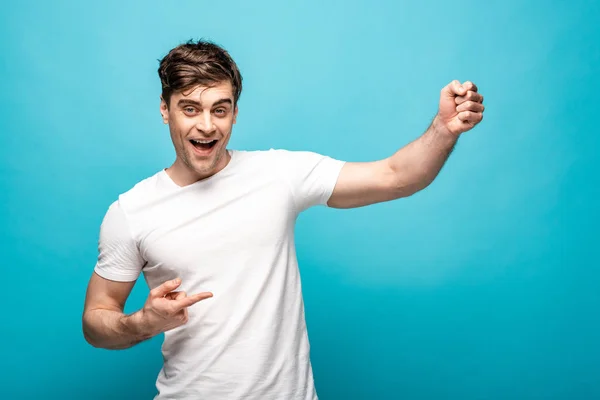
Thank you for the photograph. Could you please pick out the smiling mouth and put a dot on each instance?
(203, 144)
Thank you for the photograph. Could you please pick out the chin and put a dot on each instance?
(204, 168)
(204, 165)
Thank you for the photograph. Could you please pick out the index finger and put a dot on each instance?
(191, 300)
(470, 96)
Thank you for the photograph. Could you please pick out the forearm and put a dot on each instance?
(110, 329)
(417, 164)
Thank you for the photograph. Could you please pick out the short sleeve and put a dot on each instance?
(118, 256)
(311, 176)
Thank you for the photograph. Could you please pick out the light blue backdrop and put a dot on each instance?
(483, 286)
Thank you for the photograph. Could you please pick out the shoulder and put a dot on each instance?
(283, 161)
(259, 160)
(141, 193)
(257, 155)
(277, 155)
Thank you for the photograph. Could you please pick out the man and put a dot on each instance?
(219, 224)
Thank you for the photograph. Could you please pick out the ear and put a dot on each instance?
(235, 113)
(164, 110)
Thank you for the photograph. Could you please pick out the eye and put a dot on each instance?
(189, 110)
(221, 111)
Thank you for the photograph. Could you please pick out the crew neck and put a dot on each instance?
(232, 158)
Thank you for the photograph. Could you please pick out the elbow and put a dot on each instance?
(86, 335)
(407, 187)
(404, 181)
(89, 340)
(94, 342)
(86, 329)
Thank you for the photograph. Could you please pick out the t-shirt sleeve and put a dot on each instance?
(311, 176)
(119, 258)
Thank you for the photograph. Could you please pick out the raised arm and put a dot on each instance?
(416, 165)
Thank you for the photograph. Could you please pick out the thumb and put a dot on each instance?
(176, 295)
(454, 89)
(165, 288)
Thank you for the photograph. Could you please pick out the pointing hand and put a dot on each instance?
(165, 309)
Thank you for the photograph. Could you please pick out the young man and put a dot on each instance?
(219, 224)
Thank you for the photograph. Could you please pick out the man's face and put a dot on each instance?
(200, 121)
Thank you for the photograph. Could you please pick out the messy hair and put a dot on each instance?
(198, 63)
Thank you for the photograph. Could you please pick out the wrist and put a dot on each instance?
(440, 128)
(139, 325)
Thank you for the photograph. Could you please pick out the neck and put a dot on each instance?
(183, 175)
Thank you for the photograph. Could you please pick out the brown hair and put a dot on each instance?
(198, 63)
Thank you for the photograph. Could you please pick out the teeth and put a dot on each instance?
(202, 141)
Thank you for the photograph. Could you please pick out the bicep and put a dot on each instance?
(106, 294)
(364, 183)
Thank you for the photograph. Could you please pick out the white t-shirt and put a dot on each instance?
(231, 234)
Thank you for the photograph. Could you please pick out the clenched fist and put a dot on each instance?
(165, 309)
(461, 107)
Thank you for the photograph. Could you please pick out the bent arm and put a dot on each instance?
(410, 169)
(104, 323)
(416, 165)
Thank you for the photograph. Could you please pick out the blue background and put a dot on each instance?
(483, 286)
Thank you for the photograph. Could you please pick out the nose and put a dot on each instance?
(205, 122)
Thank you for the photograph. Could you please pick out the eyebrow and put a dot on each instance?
(184, 102)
